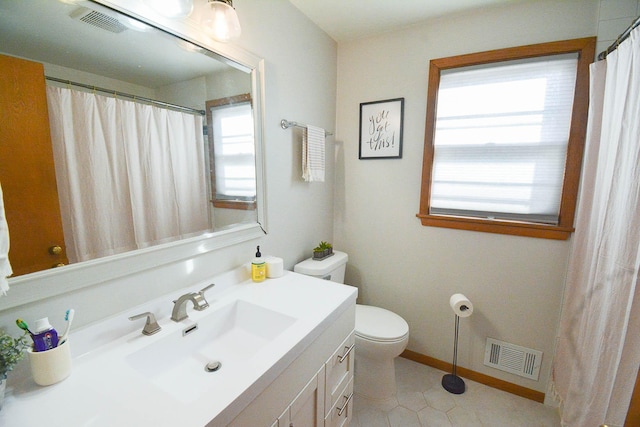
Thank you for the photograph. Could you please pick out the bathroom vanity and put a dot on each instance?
(285, 348)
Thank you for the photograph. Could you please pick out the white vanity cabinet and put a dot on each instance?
(287, 359)
(339, 384)
(307, 409)
(341, 412)
(316, 389)
(339, 370)
(327, 399)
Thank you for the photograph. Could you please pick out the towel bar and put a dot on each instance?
(286, 124)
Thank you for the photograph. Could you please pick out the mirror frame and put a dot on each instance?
(45, 284)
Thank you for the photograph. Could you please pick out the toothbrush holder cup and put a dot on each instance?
(50, 366)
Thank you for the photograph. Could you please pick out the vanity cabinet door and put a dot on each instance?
(339, 370)
(307, 409)
(27, 172)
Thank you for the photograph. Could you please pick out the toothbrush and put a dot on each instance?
(23, 325)
(69, 318)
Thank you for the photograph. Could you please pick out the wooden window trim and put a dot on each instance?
(585, 48)
(223, 203)
(234, 204)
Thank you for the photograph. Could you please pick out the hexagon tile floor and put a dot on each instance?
(422, 402)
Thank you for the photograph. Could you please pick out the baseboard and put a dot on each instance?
(475, 376)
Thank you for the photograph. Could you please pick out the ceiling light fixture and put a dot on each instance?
(222, 23)
(175, 9)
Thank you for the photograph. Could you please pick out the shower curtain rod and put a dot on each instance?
(126, 95)
(622, 37)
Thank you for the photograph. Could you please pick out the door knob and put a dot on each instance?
(55, 250)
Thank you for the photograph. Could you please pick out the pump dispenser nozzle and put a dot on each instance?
(258, 267)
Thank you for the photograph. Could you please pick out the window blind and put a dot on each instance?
(501, 139)
(234, 152)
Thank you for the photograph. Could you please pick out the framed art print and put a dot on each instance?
(381, 129)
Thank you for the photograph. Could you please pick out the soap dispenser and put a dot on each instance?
(258, 267)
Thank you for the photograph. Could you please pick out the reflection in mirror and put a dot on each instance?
(130, 143)
(231, 148)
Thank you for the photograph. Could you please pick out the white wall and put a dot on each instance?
(65, 73)
(300, 87)
(615, 17)
(515, 283)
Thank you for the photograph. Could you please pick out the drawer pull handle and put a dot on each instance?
(346, 403)
(346, 353)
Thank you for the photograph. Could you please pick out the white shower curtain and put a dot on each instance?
(129, 175)
(598, 351)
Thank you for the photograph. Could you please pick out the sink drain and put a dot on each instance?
(212, 366)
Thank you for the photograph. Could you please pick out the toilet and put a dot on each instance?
(380, 335)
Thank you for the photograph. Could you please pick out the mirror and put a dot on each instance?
(92, 50)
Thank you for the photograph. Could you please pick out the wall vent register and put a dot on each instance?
(512, 358)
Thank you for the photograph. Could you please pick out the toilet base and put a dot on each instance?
(375, 379)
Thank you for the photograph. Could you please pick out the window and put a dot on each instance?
(232, 152)
(504, 139)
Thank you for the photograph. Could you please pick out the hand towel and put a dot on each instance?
(313, 154)
(5, 267)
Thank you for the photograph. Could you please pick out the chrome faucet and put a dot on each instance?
(180, 305)
(151, 326)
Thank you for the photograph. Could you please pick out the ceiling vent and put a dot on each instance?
(98, 19)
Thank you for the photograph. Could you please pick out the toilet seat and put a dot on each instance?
(380, 325)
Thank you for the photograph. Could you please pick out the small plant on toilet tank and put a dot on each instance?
(322, 251)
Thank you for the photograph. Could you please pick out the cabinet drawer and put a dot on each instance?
(341, 413)
(339, 370)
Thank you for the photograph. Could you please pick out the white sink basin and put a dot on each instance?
(231, 335)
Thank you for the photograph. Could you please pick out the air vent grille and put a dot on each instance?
(98, 19)
(513, 358)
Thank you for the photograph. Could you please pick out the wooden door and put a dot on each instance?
(633, 416)
(27, 172)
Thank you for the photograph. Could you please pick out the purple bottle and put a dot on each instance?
(44, 337)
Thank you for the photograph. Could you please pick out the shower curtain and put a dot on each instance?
(598, 350)
(129, 175)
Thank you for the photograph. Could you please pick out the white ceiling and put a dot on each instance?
(347, 20)
(44, 31)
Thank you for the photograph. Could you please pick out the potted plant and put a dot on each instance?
(322, 251)
(11, 352)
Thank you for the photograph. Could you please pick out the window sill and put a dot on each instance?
(515, 228)
(235, 204)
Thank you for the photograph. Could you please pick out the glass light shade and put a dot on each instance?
(222, 23)
(172, 8)
(136, 25)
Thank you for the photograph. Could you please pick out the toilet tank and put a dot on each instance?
(331, 268)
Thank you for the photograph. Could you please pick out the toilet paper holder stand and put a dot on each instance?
(452, 382)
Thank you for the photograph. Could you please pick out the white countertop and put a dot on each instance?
(105, 390)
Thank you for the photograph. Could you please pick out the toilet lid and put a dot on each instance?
(378, 324)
